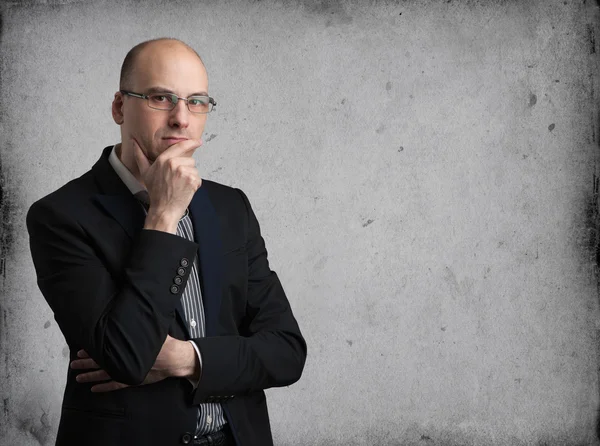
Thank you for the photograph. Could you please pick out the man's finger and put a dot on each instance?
(90, 377)
(87, 363)
(140, 157)
(108, 387)
(186, 161)
(82, 354)
(181, 148)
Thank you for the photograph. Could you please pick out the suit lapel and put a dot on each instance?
(206, 228)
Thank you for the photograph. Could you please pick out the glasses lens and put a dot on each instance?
(199, 104)
(162, 101)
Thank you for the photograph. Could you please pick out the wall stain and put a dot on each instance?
(349, 342)
(592, 221)
(332, 9)
(367, 223)
(592, 88)
(65, 351)
(4, 342)
(47, 324)
(7, 216)
(532, 99)
(551, 126)
(597, 343)
(388, 86)
(7, 213)
(41, 431)
(380, 129)
(211, 137)
(592, 218)
(591, 38)
(321, 263)
(458, 289)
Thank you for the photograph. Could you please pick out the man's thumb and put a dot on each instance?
(140, 158)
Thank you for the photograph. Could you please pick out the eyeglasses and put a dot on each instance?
(168, 101)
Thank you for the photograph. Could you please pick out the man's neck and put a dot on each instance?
(129, 163)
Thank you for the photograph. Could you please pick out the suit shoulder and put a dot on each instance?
(212, 187)
(220, 192)
(226, 199)
(66, 198)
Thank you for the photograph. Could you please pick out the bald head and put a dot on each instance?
(148, 50)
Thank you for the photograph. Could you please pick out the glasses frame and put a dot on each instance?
(174, 104)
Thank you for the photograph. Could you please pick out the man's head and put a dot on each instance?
(161, 65)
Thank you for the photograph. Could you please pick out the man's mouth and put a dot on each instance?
(173, 139)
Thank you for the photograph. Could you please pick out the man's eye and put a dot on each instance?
(159, 98)
(198, 101)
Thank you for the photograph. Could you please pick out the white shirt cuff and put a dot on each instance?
(193, 381)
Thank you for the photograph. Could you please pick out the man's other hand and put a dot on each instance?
(175, 359)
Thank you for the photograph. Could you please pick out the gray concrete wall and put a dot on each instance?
(425, 177)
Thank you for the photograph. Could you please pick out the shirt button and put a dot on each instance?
(193, 323)
(209, 420)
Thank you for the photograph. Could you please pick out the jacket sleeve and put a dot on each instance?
(274, 353)
(123, 321)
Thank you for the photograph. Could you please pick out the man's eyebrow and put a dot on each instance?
(152, 90)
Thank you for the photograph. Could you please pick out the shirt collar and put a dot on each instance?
(124, 174)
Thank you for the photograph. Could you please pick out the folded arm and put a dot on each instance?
(121, 322)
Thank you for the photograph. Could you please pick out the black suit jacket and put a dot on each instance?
(110, 286)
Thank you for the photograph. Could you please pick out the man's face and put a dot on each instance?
(170, 68)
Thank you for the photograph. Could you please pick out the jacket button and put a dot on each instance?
(181, 271)
(177, 280)
(186, 438)
(174, 289)
(184, 262)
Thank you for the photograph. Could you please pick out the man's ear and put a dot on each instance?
(117, 108)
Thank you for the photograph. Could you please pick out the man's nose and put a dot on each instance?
(180, 115)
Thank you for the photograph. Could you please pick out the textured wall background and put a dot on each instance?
(425, 173)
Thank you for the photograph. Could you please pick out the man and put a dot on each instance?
(159, 280)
